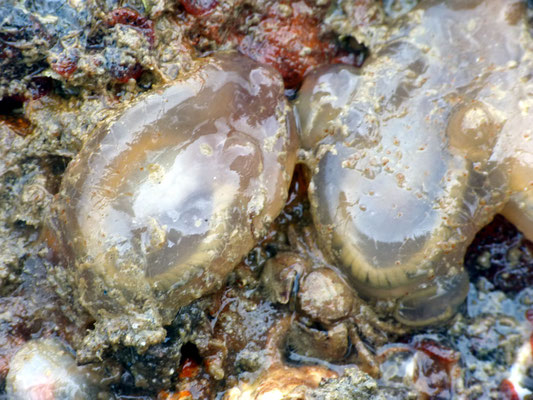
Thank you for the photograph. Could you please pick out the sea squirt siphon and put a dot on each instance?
(164, 200)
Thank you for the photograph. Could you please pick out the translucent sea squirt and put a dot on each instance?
(164, 200)
(45, 369)
(413, 154)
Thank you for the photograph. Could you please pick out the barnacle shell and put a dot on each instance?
(416, 152)
(281, 383)
(164, 200)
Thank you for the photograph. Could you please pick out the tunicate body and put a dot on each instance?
(411, 155)
(163, 201)
(44, 369)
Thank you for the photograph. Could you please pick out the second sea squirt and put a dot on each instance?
(163, 201)
(416, 152)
